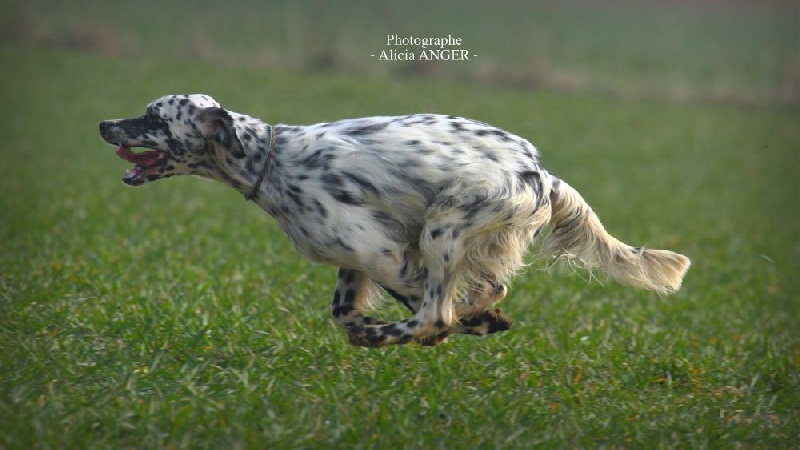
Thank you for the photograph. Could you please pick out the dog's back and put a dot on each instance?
(398, 165)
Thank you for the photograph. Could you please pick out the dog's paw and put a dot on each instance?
(499, 321)
(360, 340)
(374, 337)
(487, 322)
(431, 341)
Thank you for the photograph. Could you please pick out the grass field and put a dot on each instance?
(178, 316)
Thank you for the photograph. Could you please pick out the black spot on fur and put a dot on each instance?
(556, 184)
(288, 129)
(346, 197)
(392, 226)
(529, 176)
(534, 180)
(343, 310)
(502, 135)
(575, 216)
(334, 185)
(473, 207)
(393, 330)
(366, 129)
(400, 298)
(363, 183)
(340, 243)
(404, 269)
(471, 322)
(297, 198)
(320, 158)
(321, 209)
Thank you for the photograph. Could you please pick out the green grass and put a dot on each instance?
(178, 316)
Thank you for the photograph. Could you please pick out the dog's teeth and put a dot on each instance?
(133, 173)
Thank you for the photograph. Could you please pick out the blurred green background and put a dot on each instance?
(728, 50)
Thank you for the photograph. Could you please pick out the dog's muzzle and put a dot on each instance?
(147, 164)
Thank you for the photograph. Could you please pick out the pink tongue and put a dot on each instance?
(140, 159)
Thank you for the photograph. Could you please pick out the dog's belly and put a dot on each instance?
(362, 237)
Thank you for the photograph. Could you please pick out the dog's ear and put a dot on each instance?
(216, 124)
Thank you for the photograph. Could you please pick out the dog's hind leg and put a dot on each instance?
(475, 313)
(480, 298)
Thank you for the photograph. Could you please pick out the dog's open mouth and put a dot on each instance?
(144, 162)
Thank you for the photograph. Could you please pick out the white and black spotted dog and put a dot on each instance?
(438, 211)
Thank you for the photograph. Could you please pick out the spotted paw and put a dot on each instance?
(487, 322)
(374, 337)
(431, 341)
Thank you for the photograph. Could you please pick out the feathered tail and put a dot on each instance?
(578, 233)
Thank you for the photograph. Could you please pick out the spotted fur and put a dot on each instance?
(437, 211)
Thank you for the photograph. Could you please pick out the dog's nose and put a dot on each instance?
(107, 129)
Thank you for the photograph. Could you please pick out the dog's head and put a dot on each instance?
(183, 135)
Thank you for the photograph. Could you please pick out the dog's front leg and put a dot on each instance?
(434, 316)
(475, 313)
(352, 296)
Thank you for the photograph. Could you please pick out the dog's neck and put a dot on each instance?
(255, 173)
(253, 193)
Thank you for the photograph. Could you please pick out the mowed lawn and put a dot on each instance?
(178, 316)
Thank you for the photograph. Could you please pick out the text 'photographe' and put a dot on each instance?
(413, 48)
